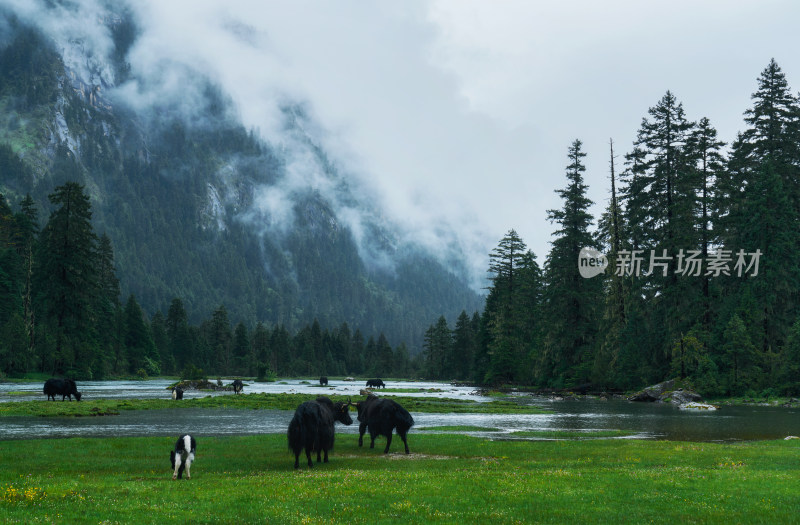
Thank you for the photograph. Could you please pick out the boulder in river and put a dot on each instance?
(668, 391)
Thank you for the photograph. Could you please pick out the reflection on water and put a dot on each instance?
(642, 420)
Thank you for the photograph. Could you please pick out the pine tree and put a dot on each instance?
(261, 352)
(437, 348)
(66, 279)
(763, 206)
(220, 339)
(570, 300)
(704, 150)
(180, 342)
(241, 350)
(143, 355)
(464, 343)
(503, 313)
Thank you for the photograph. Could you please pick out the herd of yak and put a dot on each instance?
(311, 428)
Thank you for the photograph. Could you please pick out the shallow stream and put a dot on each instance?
(637, 420)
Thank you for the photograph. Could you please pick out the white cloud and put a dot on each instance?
(459, 112)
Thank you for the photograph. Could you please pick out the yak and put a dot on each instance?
(375, 383)
(182, 455)
(381, 416)
(323, 381)
(238, 386)
(177, 392)
(63, 387)
(312, 429)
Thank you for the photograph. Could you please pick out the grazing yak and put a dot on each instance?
(182, 456)
(237, 386)
(323, 381)
(63, 387)
(381, 416)
(312, 429)
(177, 392)
(375, 383)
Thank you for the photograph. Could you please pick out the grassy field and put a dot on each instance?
(110, 407)
(447, 478)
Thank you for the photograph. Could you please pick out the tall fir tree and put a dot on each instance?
(66, 279)
(570, 301)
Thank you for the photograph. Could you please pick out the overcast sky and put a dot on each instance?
(461, 111)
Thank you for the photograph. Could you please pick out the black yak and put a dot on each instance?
(63, 387)
(312, 429)
(381, 416)
(375, 383)
(182, 456)
(177, 392)
(323, 381)
(237, 386)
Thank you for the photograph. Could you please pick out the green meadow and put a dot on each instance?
(447, 478)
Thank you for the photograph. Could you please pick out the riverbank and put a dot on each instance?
(446, 479)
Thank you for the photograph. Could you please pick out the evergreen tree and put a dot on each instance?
(66, 279)
(437, 349)
(262, 351)
(142, 353)
(570, 300)
(241, 350)
(762, 175)
(180, 341)
(464, 346)
(220, 339)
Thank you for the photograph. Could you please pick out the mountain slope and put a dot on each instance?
(200, 208)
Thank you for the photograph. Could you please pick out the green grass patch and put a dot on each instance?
(411, 390)
(571, 434)
(462, 428)
(446, 479)
(92, 407)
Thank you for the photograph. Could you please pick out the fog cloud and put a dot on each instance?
(451, 118)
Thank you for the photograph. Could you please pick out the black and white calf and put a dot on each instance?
(182, 456)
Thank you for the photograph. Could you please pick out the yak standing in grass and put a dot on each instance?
(381, 416)
(182, 455)
(312, 429)
(238, 386)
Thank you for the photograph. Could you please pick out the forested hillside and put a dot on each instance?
(177, 194)
(701, 241)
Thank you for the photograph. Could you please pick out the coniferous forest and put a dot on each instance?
(62, 314)
(702, 279)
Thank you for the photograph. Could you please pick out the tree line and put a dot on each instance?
(695, 256)
(61, 314)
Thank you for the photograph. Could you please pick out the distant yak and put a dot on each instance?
(381, 416)
(323, 381)
(177, 392)
(65, 388)
(238, 386)
(375, 383)
(312, 429)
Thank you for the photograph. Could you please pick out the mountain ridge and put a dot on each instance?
(206, 210)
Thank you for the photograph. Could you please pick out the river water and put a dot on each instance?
(640, 420)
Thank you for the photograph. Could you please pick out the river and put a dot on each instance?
(639, 420)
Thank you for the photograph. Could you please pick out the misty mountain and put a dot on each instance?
(196, 205)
